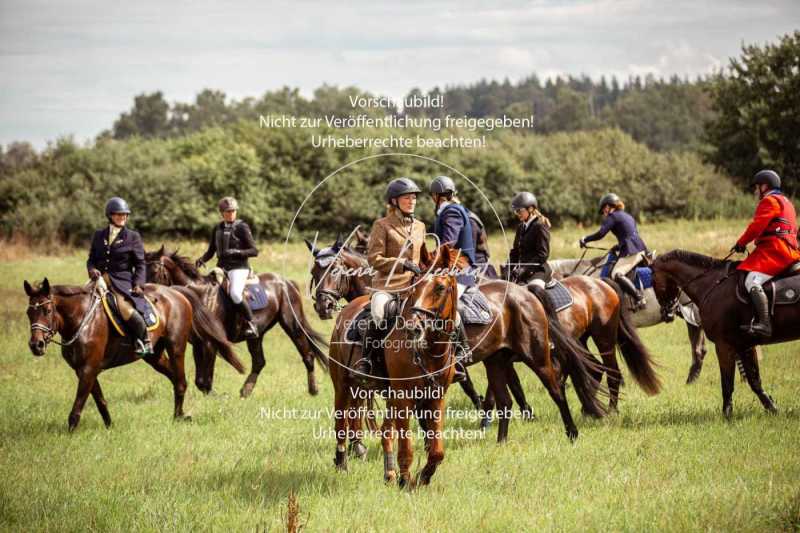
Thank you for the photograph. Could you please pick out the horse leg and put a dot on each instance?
(750, 364)
(514, 384)
(698, 340)
(726, 356)
(256, 349)
(176, 353)
(341, 404)
(496, 372)
(469, 389)
(548, 376)
(201, 379)
(100, 402)
(488, 408)
(291, 324)
(405, 451)
(388, 434)
(87, 377)
(433, 429)
(608, 351)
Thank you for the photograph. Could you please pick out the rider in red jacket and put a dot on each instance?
(774, 230)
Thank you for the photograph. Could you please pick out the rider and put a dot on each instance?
(394, 251)
(233, 244)
(630, 248)
(453, 225)
(117, 255)
(527, 261)
(774, 229)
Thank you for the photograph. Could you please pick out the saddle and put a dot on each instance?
(111, 307)
(363, 329)
(474, 307)
(559, 295)
(783, 289)
(254, 292)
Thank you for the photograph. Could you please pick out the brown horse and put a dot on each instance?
(76, 314)
(339, 272)
(285, 307)
(711, 284)
(520, 331)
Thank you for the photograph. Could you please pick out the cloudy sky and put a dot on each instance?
(72, 67)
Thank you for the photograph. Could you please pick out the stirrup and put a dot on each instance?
(757, 329)
(460, 372)
(143, 348)
(250, 330)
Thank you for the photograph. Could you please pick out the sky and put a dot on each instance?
(70, 68)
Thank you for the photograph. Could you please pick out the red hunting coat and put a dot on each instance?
(774, 229)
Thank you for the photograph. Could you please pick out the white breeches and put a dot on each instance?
(755, 278)
(236, 280)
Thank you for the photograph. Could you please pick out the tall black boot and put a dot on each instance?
(630, 289)
(138, 329)
(250, 330)
(369, 348)
(762, 327)
(463, 353)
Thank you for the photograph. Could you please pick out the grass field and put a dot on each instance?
(668, 462)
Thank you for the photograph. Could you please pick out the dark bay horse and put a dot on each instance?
(711, 284)
(650, 316)
(89, 346)
(285, 307)
(341, 273)
(520, 331)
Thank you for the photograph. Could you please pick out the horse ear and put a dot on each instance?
(161, 250)
(46, 286)
(310, 247)
(338, 240)
(28, 289)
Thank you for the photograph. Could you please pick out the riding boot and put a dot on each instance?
(762, 327)
(363, 367)
(250, 330)
(138, 330)
(463, 353)
(629, 288)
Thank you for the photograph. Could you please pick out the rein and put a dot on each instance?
(434, 315)
(49, 331)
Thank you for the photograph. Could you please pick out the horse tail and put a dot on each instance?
(301, 327)
(637, 356)
(208, 328)
(576, 359)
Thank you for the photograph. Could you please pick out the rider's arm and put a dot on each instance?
(605, 227)
(767, 209)
(249, 249)
(94, 253)
(377, 249)
(139, 265)
(451, 226)
(212, 247)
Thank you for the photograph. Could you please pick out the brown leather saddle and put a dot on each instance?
(783, 289)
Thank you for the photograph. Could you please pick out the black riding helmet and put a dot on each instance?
(768, 177)
(442, 185)
(609, 199)
(117, 205)
(399, 187)
(523, 200)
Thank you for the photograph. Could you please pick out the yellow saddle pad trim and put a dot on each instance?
(113, 319)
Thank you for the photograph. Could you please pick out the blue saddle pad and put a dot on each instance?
(559, 295)
(644, 277)
(256, 296)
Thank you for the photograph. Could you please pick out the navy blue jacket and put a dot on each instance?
(623, 226)
(122, 260)
(452, 225)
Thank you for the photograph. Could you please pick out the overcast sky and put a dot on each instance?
(73, 67)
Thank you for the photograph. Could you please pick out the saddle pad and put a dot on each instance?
(474, 307)
(256, 296)
(559, 295)
(112, 311)
(644, 278)
(784, 291)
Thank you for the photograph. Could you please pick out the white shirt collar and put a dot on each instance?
(442, 205)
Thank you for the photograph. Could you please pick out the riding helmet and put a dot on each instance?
(442, 185)
(228, 203)
(609, 199)
(399, 187)
(769, 177)
(523, 200)
(117, 205)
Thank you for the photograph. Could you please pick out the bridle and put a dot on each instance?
(50, 330)
(672, 304)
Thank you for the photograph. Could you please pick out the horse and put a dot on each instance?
(712, 286)
(652, 314)
(285, 307)
(339, 272)
(520, 331)
(75, 313)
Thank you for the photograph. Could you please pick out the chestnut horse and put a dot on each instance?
(76, 314)
(284, 307)
(520, 331)
(711, 284)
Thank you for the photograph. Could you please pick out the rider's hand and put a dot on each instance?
(233, 252)
(739, 248)
(582, 243)
(137, 290)
(410, 266)
(199, 264)
(517, 273)
(94, 274)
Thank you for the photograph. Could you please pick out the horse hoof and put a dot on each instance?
(572, 434)
(358, 450)
(183, 418)
(390, 477)
(247, 390)
(528, 415)
(727, 412)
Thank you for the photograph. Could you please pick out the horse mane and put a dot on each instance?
(693, 259)
(185, 264)
(67, 290)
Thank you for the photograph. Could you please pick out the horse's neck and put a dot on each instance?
(70, 311)
(693, 280)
